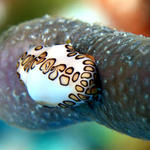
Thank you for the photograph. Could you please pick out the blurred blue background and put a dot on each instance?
(84, 136)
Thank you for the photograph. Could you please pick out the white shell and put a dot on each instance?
(57, 75)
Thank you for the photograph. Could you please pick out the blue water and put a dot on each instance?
(84, 136)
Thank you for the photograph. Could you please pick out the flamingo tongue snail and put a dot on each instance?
(103, 76)
(58, 70)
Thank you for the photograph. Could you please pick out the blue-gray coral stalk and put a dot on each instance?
(123, 64)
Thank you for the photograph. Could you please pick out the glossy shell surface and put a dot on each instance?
(57, 75)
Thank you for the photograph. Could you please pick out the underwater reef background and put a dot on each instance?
(86, 136)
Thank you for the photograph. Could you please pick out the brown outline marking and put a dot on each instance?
(79, 88)
(89, 68)
(59, 67)
(86, 75)
(71, 70)
(76, 73)
(71, 54)
(23, 56)
(88, 91)
(33, 63)
(88, 62)
(29, 64)
(43, 55)
(80, 56)
(62, 105)
(84, 83)
(74, 97)
(47, 62)
(27, 59)
(41, 58)
(53, 75)
(64, 76)
(69, 48)
(38, 48)
(40, 61)
(70, 103)
(83, 97)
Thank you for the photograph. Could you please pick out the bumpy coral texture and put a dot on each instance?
(123, 64)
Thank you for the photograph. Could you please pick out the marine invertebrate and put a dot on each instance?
(58, 70)
(122, 61)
